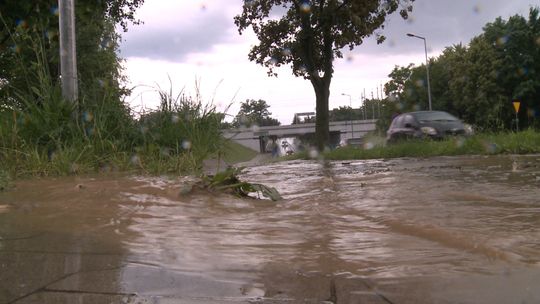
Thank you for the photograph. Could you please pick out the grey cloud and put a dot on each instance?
(174, 43)
(443, 23)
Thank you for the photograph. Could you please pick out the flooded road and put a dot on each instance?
(440, 230)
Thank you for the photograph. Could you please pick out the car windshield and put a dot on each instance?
(433, 116)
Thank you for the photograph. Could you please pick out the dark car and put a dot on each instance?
(426, 124)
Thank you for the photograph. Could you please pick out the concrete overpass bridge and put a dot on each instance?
(256, 137)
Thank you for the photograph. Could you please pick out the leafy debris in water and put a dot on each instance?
(228, 181)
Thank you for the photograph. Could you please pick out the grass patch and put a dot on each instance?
(524, 142)
(43, 135)
(234, 152)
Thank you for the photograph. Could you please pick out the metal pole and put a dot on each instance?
(379, 103)
(427, 66)
(372, 106)
(68, 58)
(379, 108)
(427, 71)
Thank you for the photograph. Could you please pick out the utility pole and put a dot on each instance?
(68, 54)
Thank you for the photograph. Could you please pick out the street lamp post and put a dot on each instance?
(427, 66)
(350, 105)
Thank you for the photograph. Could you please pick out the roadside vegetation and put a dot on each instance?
(41, 134)
(477, 82)
(58, 138)
(374, 147)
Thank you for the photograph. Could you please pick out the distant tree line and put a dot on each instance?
(253, 113)
(478, 82)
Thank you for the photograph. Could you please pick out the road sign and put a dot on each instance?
(516, 106)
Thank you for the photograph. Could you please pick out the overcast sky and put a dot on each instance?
(196, 40)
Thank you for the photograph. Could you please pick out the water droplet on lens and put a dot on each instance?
(52, 155)
(16, 49)
(135, 160)
(21, 23)
(175, 118)
(419, 83)
(502, 40)
(460, 142)
(106, 43)
(255, 128)
(164, 151)
(313, 153)
(490, 147)
(89, 130)
(305, 7)
(74, 168)
(369, 145)
(87, 116)
(286, 52)
(186, 144)
(477, 9)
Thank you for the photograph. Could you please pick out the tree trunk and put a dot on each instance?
(322, 129)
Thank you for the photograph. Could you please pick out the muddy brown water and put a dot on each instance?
(439, 230)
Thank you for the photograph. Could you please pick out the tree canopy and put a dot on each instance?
(29, 45)
(310, 35)
(254, 112)
(478, 82)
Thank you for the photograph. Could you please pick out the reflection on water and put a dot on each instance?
(404, 230)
